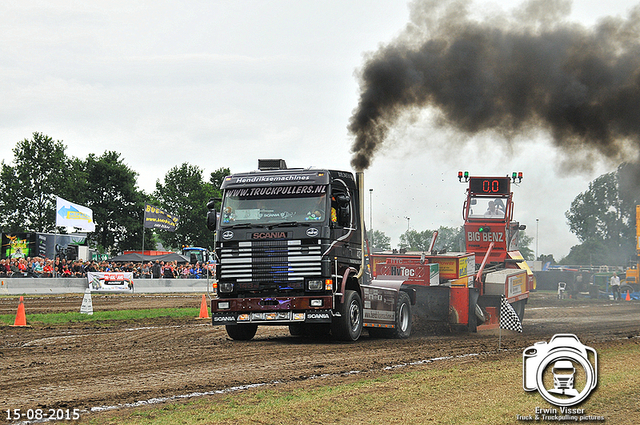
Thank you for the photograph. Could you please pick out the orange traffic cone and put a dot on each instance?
(204, 311)
(628, 297)
(21, 317)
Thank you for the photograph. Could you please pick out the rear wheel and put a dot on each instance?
(624, 289)
(402, 323)
(403, 316)
(348, 326)
(241, 332)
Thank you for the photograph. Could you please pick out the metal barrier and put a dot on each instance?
(41, 286)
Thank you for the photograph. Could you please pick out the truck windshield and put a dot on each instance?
(276, 205)
(198, 253)
(482, 207)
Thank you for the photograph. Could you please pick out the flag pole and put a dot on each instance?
(500, 312)
(500, 323)
(55, 252)
(144, 220)
(55, 239)
(508, 319)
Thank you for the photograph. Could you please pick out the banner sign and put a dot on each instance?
(18, 245)
(23, 245)
(69, 214)
(159, 219)
(110, 281)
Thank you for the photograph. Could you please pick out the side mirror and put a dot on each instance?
(212, 219)
(343, 200)
(344, 216)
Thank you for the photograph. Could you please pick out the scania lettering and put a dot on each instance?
(270, 235)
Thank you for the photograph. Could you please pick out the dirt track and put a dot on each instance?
(106, 364)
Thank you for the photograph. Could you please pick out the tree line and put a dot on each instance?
(449, 239)
(603, 217)
(42, 170)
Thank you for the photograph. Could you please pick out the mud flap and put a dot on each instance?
(432, 303)
(463, 309)
(445, 305)
(491, 305)
(474, 294)
(489, 301)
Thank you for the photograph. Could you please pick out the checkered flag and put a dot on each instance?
(508, 317)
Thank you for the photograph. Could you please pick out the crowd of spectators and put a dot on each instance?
(44, 267)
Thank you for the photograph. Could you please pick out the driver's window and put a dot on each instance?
(487, 208)
(340, 207)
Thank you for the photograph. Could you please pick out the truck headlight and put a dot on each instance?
(315, 285)
(225, 287)
(223, 305)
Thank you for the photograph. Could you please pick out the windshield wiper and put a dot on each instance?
(288, 224)
(244, 226)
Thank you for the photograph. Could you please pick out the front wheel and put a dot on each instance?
(241, 332)
(348, 326)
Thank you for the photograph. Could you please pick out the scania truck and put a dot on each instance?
(291, 250)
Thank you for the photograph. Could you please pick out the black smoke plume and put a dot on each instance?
(508, 74)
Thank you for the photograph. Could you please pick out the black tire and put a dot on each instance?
(348, 327)
(318, 330)
(297, 329)
(241, 332)
(403, 321)
(311, 330)
(624, 289)
(403, 317)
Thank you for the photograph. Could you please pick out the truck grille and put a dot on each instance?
(259, 265)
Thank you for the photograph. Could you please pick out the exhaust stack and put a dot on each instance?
(360, 185)
(271, 164)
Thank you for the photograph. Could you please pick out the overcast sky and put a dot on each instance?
(223, 83)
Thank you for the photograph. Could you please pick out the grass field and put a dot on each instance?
(472, 390)
(74, 317)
